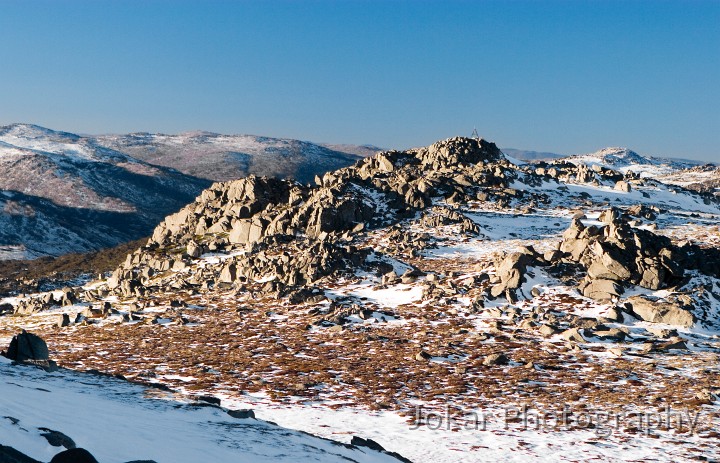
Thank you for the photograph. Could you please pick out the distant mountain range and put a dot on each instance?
(61, 193)
(219, 157)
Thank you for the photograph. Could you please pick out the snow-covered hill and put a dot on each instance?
(60, 193)
(624, 160)
(229, 157)
(529, 155)
(358, 150)
(117, 421)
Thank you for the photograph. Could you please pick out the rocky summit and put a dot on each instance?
(414, 284)
(290, 236)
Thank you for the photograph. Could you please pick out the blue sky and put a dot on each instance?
(561, 76)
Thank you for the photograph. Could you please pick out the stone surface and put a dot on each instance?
(659, 311)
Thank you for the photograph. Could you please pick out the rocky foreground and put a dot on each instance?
(444, 278)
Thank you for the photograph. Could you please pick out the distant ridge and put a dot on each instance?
(527, 155)
(220, 157)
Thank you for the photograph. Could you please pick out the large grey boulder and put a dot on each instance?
(601, 289)
(248, 230)
(27, 346)
(661, 311)
(510, 272)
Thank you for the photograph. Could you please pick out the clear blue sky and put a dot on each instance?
(562, 76)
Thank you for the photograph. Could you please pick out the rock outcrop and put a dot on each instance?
(286, 234)
(616, 253)
(30, 349)
(659, 311)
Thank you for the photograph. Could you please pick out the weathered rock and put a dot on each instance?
(573, 335)
(27, 347)
(617, 254)
(439, 216)
(676, 343)
(228, 274)
(662, 333)
(611, 334)
(64, 320)
(623, 186)
(547, 330)
(660, 311)
(496, 359)
(76, 455)
(241, 414)
(601, 289)
(194, 250)
(368, 443)
(510, 270)
(57, 439)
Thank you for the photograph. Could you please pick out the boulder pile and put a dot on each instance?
(439, 216)
(31, 305)
(285, 234)
(612, 256)
(616, 253)
(510, 271)
(578, 172)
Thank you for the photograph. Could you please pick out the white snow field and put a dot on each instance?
(118, 421)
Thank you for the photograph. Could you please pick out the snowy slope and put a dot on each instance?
(72, 171)
(61, 193)
(529, 155)
(229, 157)
(117, 421)
(624, 160)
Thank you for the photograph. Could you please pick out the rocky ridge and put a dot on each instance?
(291, 235)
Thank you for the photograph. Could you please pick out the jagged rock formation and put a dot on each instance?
(282, 237)
(617, 254)
(292, 235)
(614, 256)
(436, 272)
